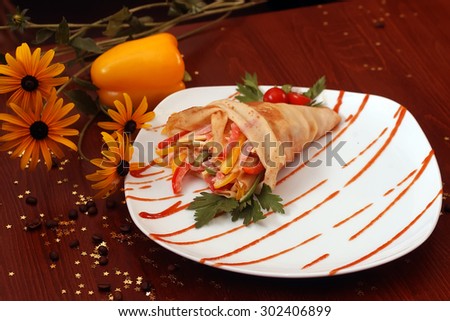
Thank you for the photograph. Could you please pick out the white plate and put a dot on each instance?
(339, 218)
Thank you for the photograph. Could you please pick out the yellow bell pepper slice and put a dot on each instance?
(226, 180)
(228, 164)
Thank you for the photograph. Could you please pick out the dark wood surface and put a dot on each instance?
(397, 49)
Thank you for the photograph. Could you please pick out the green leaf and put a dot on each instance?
(86, 44)
(42, 35)
(62, 33)
(82, 101)
(115, 22)
(249, 90)
(208, 205)
(316, 89)
(181, 7)
(270, 201)
(84, 83)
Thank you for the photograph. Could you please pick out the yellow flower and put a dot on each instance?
(114, 165)
(125, 120)
(39, 131)
(29, 74)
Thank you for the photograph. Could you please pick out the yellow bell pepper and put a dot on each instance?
(150, 66)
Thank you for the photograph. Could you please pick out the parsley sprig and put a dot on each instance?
(249, 90)
(209, 205)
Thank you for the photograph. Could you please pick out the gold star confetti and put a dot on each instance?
(81, 285)
(77, 262)
(78, 275)
(106, 273)
(8, 226)
(63, 291)
(84, 253)
(52, 266)
(126, 273)
(27, 192)
(74, 192)
(77, 292)
(11, 273)
(83, 229)
(41, 214)
(59, 182)
(91, 292)
(20, 196)
(75, 185)
(118, 272)
(16, 182)
(23, 217)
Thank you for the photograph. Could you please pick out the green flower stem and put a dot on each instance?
(82, 133)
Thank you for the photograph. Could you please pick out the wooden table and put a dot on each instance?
(396, 49)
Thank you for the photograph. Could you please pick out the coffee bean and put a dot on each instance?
(50, 223)
(90, 204)
(104, 287)
(31, 200)
(97, 239)
(379, 24)
(54, 163)
(74, 244)
(54, 256)
(146, 286)
(73, 214)
(92, 210)
(83, 208)
(125, 228)
(446, 207)
(102, 250)
(110, 203)
(117, 296)
(103, 260)
(34, 224)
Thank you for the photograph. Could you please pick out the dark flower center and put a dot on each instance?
(29, 83)
(123, 168)
(130, 127)
(39, 130)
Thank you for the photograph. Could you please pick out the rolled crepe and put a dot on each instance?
(277, 131)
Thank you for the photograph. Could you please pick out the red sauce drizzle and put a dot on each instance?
(339, 101)
(383, 246)
(320, 258)
(282, 227)
(270, 256)
(175, 208)
(389, 192)
(145, 186)
(367, 147)
(160, 236)
(138, 172)
(402, 193)
(361, 107)
(381, 150)
(145, 199)
(353, 215)
(406, 178)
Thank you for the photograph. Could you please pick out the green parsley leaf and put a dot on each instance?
(270, 201)
(316, 89)
(208, 205)
(249, 90)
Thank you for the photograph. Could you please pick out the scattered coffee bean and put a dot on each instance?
(172, 267)
(54, 256)
(446, 207)
(103, 260)
(54, 163)
(125, 228)
(31, 200)
(92, 210)
(83, 208)
(90, 204)
(117, 296)
(104, 287)
(379, 24)
(146, 286)
(74, 244)
(110, 203)
(102, 250)
(50, 223)
(34, 224)
(97, 239)
(73, 214)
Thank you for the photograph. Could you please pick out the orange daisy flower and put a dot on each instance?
(38, 132)
(114, 165)
(125, 120)
(29, 74)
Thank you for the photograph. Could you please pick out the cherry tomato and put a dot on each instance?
(275, 95)
(298, 99)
